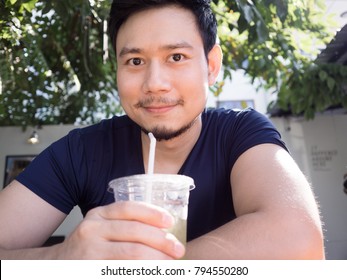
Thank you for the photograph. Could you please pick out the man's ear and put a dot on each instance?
(215, 58)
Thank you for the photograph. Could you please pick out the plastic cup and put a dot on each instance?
(169, 191)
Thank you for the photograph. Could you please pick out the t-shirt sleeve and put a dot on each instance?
(251, 128)
(52, 175)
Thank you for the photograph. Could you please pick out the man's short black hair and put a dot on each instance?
(205, 19)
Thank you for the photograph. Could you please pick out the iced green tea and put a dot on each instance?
(169, 191)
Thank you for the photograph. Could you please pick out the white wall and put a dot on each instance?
(240, 88)
(319, 147)
(13, 141)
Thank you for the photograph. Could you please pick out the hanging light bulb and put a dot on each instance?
(34, 138)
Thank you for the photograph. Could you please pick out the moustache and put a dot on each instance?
(158, 101)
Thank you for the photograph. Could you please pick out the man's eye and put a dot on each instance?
(135, 61)
(177, 57)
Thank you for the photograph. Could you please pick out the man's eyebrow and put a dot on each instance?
(181, 45)
(127, 50)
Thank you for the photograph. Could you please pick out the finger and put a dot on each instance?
(136, 211)
(130, 251)
(140, 233)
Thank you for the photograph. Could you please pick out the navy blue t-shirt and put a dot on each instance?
(76, 169)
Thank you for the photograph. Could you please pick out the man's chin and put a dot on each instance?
(166, 134)
(163, 134)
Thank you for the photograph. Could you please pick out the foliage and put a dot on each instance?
(319, 88)
(52, 65)
(276, 42)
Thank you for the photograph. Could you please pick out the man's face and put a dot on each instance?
(162, 70)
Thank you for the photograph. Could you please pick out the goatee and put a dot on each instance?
(165, 134)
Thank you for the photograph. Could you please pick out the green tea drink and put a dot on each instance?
(169, 191)
(180, 230)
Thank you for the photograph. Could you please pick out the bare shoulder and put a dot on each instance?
(25, 218)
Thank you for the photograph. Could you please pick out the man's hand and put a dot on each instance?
(123, 230)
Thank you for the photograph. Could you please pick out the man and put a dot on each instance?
(251, 201)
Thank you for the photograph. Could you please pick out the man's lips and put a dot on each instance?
(159, 108)
(158, 105)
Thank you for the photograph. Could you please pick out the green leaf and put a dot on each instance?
(323, 75)
(262, 32)
(248, 13)
(281, 9)
(29, 6)
(331, 83)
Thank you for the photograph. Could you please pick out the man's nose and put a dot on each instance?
(156, 78)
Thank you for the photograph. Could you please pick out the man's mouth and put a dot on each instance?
(159, 108)
(162, 105)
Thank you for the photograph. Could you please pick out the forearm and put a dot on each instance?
(43, 253)
(255, 236)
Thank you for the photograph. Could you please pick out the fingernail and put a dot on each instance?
(179, 249)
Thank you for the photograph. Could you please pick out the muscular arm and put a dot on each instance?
(277, 217)
(27, 222)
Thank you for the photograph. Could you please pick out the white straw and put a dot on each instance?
(151, 156)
